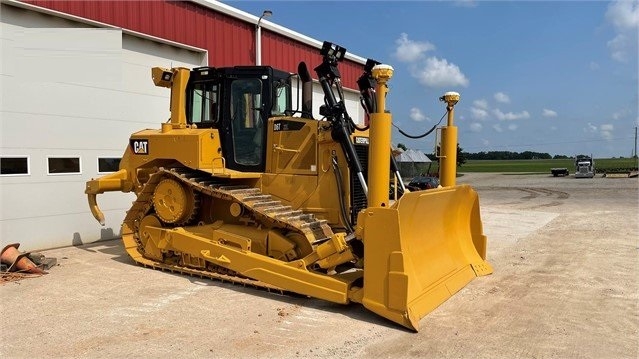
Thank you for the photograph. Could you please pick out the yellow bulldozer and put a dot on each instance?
(239, 186)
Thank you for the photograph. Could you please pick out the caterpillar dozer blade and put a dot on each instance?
(426, 246)
(420, 251)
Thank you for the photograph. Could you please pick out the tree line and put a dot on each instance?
(508, 155)
(463, 156)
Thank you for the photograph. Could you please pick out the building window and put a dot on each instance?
(63, 165)
(14, 166)
(108, 164)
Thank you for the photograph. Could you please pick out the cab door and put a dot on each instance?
(243, 135)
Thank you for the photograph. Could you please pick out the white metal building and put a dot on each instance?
(72, 91)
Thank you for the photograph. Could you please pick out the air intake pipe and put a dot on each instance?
(307, 90)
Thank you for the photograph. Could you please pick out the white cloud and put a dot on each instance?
(440, 73)
(594, 66)
(476, 127)
(431, 71)
(478, 113)
(553, 128)
(417, 115)
(619, 114)
(411, 51)
(618, 48)
(624, 15)
(591, 128)
(606, 131)
(502, 97)
(483, 104)
(512, 127)
(485, 142)
(510, 116)
(497, 127)
(549, 113)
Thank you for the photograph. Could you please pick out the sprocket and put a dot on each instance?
(174, 202)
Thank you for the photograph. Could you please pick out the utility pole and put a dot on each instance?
(635, 156)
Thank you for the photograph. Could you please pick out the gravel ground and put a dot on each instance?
(565, 253)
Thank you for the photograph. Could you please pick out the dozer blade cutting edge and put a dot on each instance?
(421, 251)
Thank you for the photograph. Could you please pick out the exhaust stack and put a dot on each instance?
(307, 90)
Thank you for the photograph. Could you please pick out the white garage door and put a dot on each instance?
(71, 94)
(351, 101)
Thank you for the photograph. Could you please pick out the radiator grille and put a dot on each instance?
(358, 197)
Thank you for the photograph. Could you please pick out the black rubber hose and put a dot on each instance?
(427, 132)
(342, 205)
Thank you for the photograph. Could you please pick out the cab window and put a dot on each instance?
(282, 95)
(204, 105)
(246, 121)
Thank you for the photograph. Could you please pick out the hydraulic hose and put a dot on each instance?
(342, 205)
(341, 132)
(422, 135)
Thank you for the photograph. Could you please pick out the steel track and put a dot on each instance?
(263, 208)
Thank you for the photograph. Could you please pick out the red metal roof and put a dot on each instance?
(229, 41)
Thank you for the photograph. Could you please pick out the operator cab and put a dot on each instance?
(238, 101)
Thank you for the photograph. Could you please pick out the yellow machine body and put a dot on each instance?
(286, 227)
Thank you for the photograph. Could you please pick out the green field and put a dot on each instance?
(543, 166)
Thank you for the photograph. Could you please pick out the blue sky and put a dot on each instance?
(547, 76)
